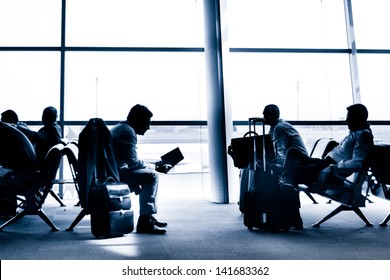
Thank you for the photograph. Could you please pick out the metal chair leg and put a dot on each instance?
(384, 222)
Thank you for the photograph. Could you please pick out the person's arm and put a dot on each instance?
(127, 142)
(280, 143)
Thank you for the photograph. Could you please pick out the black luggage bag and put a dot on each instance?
(266, 205)
(111, 213)
(104, 197)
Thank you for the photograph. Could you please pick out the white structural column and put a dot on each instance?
(219, 120)
(353, 65)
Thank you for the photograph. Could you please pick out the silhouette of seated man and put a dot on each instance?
(138, 174)
(16, 151)
(349, 155)
(10, 117)
(46, 137)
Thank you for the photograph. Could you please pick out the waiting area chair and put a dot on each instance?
(33, 187)
(70, 152)
(348, 193)
(379, 177)
(319, 149)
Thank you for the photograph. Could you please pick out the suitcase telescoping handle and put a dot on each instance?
(254, 121)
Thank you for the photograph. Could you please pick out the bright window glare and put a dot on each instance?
(134, 23)
(372, 23)
(108, 84)
(30, 22)
(305, 86)
(29, 82)
(286, 23)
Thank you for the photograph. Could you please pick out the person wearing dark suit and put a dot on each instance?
(138, 174)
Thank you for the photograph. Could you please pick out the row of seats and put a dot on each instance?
(33, 187)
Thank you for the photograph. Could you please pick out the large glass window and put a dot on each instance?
(134, 23)
(374, 73)
(286, 24)
(372, 23)
(30, 22)
(29, 82)
(108, 84)
(304, 86)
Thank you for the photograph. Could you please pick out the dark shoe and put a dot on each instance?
(157, 223)
(146, 224)
(151, 228)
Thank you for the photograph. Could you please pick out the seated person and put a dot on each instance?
(134, 171)
(283, 134)
(349, 155)
(16, 151)
(10, 117)
(46, 137)
(16, 154)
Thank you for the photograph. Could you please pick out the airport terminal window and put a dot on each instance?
(29, 82)
(107, 84)
(134, 23)
(286, 24)
(294, 53)
(374, 75)
(305, 86)
(371, 19)
(30, 22)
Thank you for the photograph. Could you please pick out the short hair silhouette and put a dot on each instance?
(358, 111)
(138, 112)
(9, 116)
(49, 115)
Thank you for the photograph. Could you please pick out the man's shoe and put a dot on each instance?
(147, 224)
(157, 223)
(151, 229)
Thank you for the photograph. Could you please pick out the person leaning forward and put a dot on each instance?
(138, 174)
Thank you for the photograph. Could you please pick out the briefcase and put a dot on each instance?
(110, 208)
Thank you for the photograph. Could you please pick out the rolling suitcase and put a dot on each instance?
(266, 205)
(242, 150)
(110, 207)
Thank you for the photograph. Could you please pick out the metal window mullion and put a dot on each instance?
(353, 65)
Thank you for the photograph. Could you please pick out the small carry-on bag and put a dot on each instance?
(110, 209)
(266, 206)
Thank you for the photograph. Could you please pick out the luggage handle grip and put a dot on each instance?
(254, 120)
